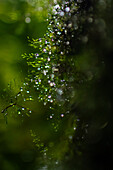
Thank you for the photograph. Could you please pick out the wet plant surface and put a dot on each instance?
(58, 113)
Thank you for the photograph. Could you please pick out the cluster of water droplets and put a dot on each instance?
(49, 71)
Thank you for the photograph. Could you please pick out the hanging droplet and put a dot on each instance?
(30, 98)
(61, 13)
(37, 54)
(49, 96)
(62, 115)
(27, 20)
(69, 25)
(45, 103)
(67, 9)
(21, 89)
(30, 111)
(74, 128)
(44, 50)
(19, 112)
(51, 101)
(67, 43)
(48, 59)
(51, 84)
(52, 76)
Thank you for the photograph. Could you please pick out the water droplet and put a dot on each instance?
(59, 91)
(57, 6)
(37, 54)
(44, 50)
(36, 82)
(51, 84)
(69, 25)
(51, 101)
(27, 20)
(74, 128)
(19, 112)
(56, 162)
(67, 43)
(52, 76)
(67, 9)
(44, 72)
(45, 103)
(46, 42)
(61, 13)
(30, 98)
(48, 59)
(49, 96)
(90, 20)
(21, 89)
(62, 115)
(18, 94)
(30, 111)
(59, 33)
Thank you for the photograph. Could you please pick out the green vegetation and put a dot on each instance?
(57, 109)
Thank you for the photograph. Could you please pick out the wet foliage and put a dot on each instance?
(69, 82)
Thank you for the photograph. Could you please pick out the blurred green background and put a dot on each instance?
(18, 19)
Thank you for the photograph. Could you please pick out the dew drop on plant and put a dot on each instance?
(27, 20)
(49, 96)
(48, 59)
(74, 128)
(30, 111)
(56, 162)
(69, 25)
(19, 112)
(67, 9)
(45, 103)
(44, 50)
(36, 82)
(62, 115)
(51, 117)
(51, 84)
(51, 101)
(37, 54)
(61, 13)
(30, 98)
(21, 89)
(67, 43)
